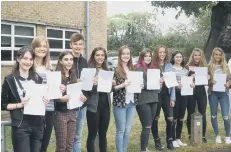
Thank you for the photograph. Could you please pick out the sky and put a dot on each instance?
(164, 22)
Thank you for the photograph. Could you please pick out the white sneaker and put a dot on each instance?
(227, 140)
(218, 140)
(180, 143)
(175, 144)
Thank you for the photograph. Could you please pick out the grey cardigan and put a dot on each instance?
(92, 100)
(147, 96)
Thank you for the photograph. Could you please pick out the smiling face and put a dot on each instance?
(162, 53)
(197, 57)
(67, 62)
(42, 50)
(147, 58)
(178, 58)
(25, 62)
(77, 47)
(99, 57)
(126, 55)
(217, 56)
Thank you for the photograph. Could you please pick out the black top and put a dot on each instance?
(62, 106)
(79, 64)
(10, 95)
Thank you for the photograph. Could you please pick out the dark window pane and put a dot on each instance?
(19, 42)
(6, 41)
(54, 55)
(54, 33)
(6, 55)
(56, 44)
(67, 45)
(15, 53)
(22, 30)
(6, 29)
(69, 33)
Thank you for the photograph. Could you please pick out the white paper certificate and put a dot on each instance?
(170, 79)
(186, 89)
(220, 82)
(87, 76)
(74, 91)
(105, 81)
(54, 83)
(153, 79)
(201, 75)
(136, 79)
(35, 105)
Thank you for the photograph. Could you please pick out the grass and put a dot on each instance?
(134, 142)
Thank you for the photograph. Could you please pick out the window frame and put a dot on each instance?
(64, 39)
(12, 48)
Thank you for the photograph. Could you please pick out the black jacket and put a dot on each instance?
(10, 95)
(79, 64)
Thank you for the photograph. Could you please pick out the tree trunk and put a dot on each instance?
(219, 20)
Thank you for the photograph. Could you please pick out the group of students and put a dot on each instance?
(32, 133)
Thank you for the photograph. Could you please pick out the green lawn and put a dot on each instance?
(134, 143)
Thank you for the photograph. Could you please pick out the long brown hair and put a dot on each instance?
(120, 70)
(156, 59)
(92, 62)
(59, 67)
(191, 61)
(20, 54)
(36, 43)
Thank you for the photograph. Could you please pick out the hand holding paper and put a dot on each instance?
(74, 91)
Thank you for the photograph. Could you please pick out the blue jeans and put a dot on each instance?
(123, 118)
(80, 118)
(223, 98)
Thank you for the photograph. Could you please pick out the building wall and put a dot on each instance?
(65, 14)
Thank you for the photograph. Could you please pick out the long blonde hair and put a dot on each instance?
(223, 62)
(120, 70)
(191, 61)
(36, 43)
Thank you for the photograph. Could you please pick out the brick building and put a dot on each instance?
(22, 21)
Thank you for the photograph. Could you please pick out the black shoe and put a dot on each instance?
(204, 140)
(158, 145)
(170, 145)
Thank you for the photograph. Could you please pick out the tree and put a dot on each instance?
(134, 29)
(219, 18)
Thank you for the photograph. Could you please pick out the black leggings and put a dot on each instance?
(202, 105)
(146, 114)
(49, 119)
(179, 112)
(98, 123)
(164, 103)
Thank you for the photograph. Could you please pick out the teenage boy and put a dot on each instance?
(77, 46)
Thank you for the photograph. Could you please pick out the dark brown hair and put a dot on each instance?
(20, 54)
(76, 37)
(92, 62)
(120, 70)
(59, 67)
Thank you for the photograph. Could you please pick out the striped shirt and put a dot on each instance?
(42, 71)
(179, 73)
(218, 69)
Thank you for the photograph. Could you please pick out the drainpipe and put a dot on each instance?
(87, 28)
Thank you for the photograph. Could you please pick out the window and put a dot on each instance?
(13, 37)
(59, 40)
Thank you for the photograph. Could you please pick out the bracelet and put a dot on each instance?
(16, 106)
